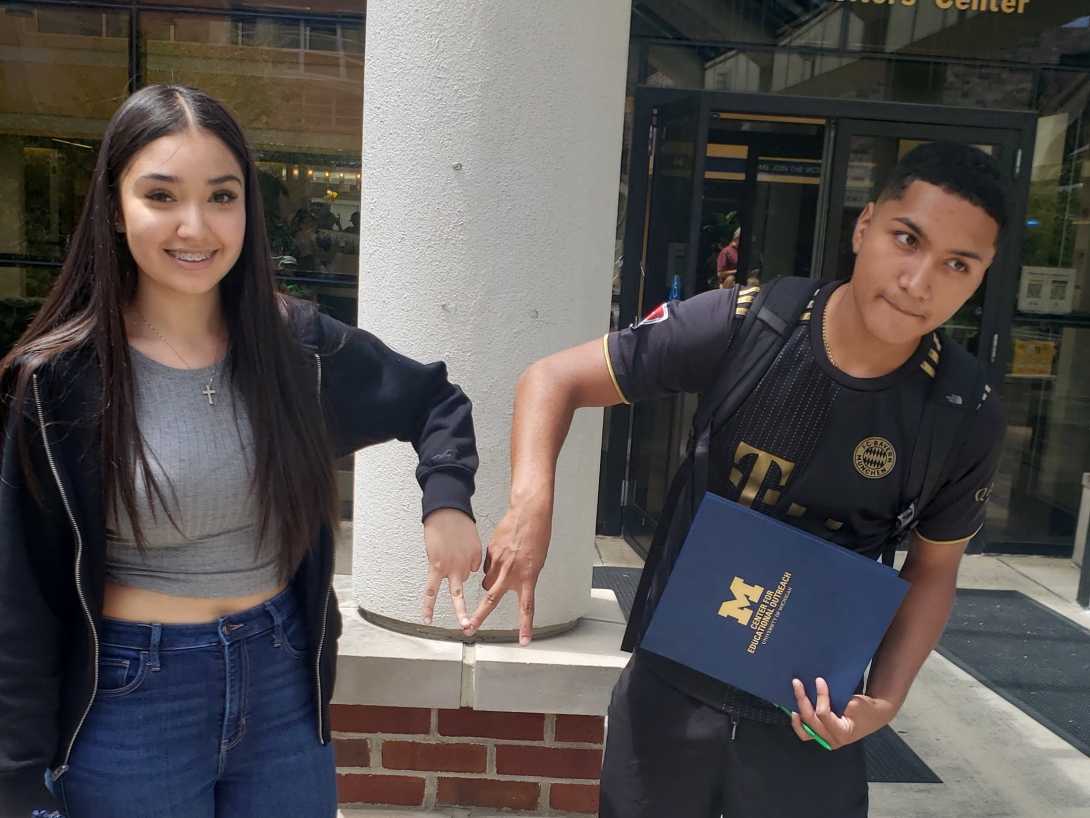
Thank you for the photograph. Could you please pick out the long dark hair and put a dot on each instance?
(293, 475)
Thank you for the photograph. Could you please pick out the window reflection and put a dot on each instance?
(355, 8)
(1024, 30)
(1047, 389)
(1031, 31)
(64, 74)
(744, 21)
(297, 87)
(840, 76)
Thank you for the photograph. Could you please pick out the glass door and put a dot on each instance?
(1039, 490)
(865, 155)
(1034, 360)
(657, 258)
(710, 173)
(762, 177)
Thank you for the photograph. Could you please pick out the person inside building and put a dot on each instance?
(726, 265)
(308, 252)
(853, 375)
(168, 627)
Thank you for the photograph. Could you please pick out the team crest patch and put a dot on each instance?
(656, 316)
(875, 457)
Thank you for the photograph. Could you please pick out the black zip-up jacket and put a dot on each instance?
(52, 549)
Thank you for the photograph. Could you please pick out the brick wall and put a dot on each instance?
(415, 757)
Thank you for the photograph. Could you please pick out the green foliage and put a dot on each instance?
(1052, 203)
(39, 281)
(280, 231)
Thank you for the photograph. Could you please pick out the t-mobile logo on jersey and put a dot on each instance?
(738, 608)
(759, 466)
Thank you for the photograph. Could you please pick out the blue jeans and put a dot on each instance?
(203, 721)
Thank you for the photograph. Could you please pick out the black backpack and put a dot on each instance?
(956, 393)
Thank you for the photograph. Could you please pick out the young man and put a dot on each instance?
(822, 442)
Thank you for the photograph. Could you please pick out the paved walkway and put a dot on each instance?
(994, 760)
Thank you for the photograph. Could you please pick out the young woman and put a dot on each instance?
(168, 628)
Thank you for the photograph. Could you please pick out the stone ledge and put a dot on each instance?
(572, 673)
(380, 667)
(379, 812)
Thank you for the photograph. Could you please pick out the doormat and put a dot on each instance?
(1032, 656)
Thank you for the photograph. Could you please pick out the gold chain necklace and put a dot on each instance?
(824, 336)
(208, 391)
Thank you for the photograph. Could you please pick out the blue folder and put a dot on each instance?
(755, 603)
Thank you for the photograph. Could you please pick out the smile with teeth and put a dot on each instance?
(178, 254)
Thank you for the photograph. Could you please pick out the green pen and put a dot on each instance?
(806, 727)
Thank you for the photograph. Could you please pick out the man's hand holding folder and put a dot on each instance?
(863, 715)
(931, 571)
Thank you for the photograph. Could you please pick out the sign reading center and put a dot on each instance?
(1005, 6)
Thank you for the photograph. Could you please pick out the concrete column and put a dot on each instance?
(491, 159)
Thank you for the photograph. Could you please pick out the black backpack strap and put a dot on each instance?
(767, 325)
(655, 552)
(955, 396)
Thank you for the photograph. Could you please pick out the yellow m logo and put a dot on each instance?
(738, 608)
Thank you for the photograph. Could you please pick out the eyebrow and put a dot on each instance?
(915, 228)
(174, 180)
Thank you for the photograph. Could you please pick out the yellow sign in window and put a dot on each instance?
(1033, 358)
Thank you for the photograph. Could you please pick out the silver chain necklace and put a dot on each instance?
(208, 391)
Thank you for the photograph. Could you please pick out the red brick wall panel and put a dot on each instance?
(484, 792)
(580, 798)
(395, 790)
(351, 752)
(548, 762)
(585, 729)
(486, 724)
(354, 718)
(443, 758)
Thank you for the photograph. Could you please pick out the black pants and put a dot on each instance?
(669, 756)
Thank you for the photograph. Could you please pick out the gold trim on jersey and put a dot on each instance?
(948, 542)
(745, 300)
(806, 313)
(931, 362)
(612, 374)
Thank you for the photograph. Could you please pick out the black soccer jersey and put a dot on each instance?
(813, 446)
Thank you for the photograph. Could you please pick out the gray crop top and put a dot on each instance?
(203, 461)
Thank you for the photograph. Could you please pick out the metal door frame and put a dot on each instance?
(1014, 155)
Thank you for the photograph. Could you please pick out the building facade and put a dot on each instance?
(784, 119)
(781, 118)
(444, 174)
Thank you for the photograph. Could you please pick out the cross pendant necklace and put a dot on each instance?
(208, 391)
